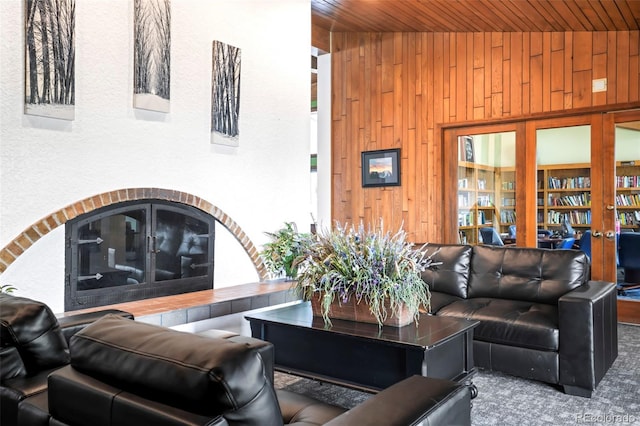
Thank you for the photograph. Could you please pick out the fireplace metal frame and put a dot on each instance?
(153, 285)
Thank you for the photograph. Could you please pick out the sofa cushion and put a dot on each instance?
(202, 375)
(33, 329)
(438, 300)
(300, 409)
(450, 275)
(509, 322)
(527, 274)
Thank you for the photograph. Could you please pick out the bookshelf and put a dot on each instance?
(628, 193)
(566, 195)
(486, 197)
(479, 186)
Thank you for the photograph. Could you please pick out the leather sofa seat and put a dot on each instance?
(509, 322)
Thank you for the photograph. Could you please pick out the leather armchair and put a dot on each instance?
(124, 373)
(32, 345)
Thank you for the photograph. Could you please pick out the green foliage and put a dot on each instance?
(7, 288)
(381, 269)
(285, 246)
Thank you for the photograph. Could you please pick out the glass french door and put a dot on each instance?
(568, 171)
(624, 130)
(575, 183)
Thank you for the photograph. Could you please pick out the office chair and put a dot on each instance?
(542, 233)
(585, 243)
(512, 231)
(629, 260)
(491, 237)
(566, 243)
(567, 229)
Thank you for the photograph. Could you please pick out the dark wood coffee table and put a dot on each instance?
(362, 355)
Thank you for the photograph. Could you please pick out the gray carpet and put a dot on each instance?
(506, 400)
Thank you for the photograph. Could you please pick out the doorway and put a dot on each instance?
(565, 180)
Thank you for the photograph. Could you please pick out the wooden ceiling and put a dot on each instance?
(475, 15)
(468, 16)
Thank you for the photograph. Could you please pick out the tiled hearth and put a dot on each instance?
(189, 307)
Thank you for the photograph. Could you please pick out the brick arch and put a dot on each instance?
(29, 236)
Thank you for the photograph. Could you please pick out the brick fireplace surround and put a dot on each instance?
(33, 233)
(167, 310)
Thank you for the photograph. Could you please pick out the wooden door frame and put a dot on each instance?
(450, 170)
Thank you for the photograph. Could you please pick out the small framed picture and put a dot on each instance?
(381, 168)
(465, 149)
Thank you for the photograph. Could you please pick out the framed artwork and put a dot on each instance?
(50, 59)
(381, 168)
(465, 149)
(152, 54)
(225, 94)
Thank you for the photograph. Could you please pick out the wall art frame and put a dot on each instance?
(465, 149)
(152, 55)
(381, 168)
(50, 33)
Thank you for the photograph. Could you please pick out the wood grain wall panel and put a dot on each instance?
(514, 73)
(612, 66)
(396, 89)
(634, 70)
(622, 64)
(568, 70)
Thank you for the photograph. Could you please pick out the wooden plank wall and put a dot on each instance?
(392, 90)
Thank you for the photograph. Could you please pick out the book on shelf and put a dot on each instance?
(569, 182)
(628, 181)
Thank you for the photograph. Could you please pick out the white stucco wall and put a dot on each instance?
(46, 164)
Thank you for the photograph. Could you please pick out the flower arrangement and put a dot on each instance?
(285, 246)
(374, 267)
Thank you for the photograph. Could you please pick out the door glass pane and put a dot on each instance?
(486, 188)
(564, 185)
(181, 246)
(111, 251)
(627, 152)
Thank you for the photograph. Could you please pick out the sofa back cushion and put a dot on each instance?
(527, 274)
(195, 373)
(451, 275)
(33, 329)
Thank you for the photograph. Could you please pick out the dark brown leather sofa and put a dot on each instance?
(33, 343)
(124, 372)
(541, 317)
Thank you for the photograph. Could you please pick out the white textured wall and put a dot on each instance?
(46, 164)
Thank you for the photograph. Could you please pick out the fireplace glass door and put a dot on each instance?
(136, 251)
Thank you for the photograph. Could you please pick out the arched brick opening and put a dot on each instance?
(29, 236)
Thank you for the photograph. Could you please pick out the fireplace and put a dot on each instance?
(137, 250)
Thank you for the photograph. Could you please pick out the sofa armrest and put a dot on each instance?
(415, 400)
(588, 325)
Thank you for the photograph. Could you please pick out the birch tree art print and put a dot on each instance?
(152, 54)
(225, 94)
(50, 58)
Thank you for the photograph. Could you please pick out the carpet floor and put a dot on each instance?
(507, 400)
